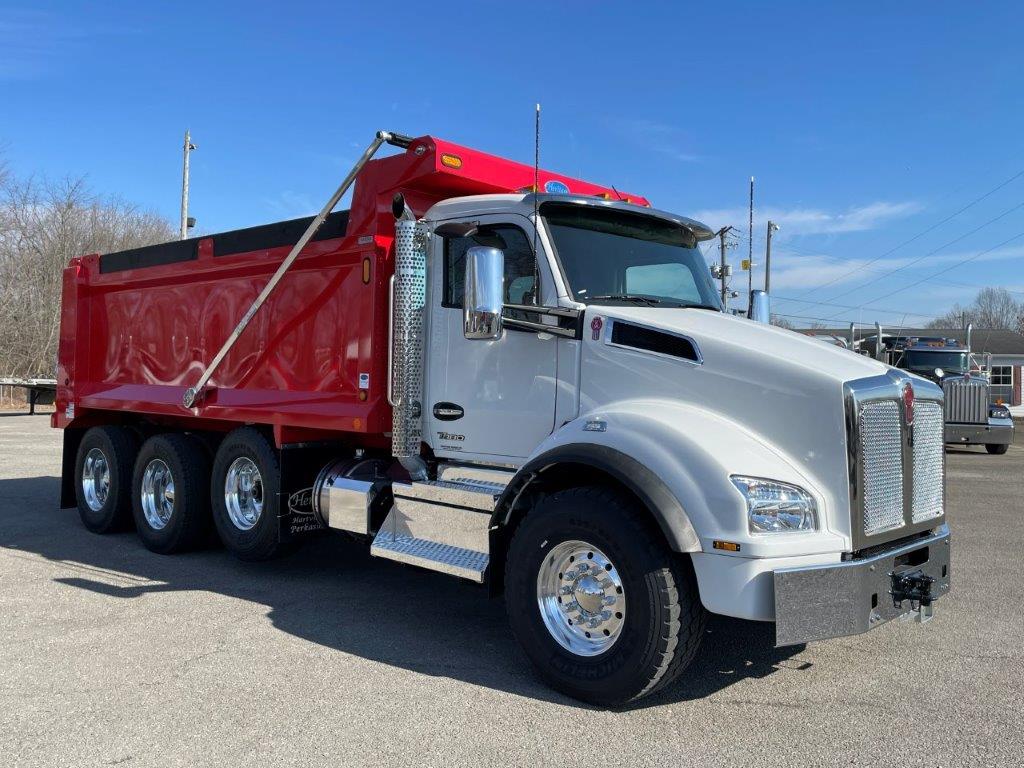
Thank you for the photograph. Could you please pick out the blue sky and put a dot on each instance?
(865, 125)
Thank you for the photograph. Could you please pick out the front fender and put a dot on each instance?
(677, 458)
(644, 483)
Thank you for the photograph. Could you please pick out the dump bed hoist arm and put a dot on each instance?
(195, 393)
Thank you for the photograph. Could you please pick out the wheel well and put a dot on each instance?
(527, 491)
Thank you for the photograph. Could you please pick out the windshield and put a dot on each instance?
(609, 255)
(950, 362)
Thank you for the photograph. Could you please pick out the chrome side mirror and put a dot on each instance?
(760, 307)
(484, 293)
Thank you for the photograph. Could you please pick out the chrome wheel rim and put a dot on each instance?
(95, 479)
(581, 598)
(157, 494)
(243, 493)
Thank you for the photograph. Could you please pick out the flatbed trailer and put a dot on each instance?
(39, 391)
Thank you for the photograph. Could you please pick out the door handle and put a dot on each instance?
(448, 411)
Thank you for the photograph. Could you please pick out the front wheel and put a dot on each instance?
(604, 610)
(998, 449)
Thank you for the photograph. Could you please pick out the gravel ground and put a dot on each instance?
(113, 655)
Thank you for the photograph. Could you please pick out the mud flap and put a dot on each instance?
(300, 465)
(72, 439)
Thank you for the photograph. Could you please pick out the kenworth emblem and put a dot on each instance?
(908, 403)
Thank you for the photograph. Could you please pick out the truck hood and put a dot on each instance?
(755, 344)
(779, 388)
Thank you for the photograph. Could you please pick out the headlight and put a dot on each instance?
(999, 412)
(774, 507)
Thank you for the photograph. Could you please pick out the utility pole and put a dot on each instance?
(722, 270)
(750, 246)
(772, 227)
(189, 146)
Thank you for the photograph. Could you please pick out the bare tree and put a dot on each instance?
(992, 308)
(781, 322)
(42, 226)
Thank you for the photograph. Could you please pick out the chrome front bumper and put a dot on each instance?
(848, 598)
(996, 432)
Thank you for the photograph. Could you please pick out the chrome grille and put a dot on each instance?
(966, 400)
(883, 466)
(928, 460)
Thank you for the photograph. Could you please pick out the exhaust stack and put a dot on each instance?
(408, 297)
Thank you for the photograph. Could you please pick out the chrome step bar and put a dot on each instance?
(471, 473)
(441, 525)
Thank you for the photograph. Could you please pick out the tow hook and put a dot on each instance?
(915, 586)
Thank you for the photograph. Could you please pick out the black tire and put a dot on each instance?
(185, 459)
(997, 448)
(262, 540)
(663, 624)
(118, 446)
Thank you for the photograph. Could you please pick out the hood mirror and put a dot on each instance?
(760, 307)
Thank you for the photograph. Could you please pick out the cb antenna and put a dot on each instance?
(536, 191)
(536, 151)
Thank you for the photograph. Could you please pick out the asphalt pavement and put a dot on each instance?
(112, 655)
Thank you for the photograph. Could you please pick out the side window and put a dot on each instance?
(520, 265)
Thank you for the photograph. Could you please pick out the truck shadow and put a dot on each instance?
(331, 592)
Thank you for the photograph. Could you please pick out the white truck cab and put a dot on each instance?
(579, 374)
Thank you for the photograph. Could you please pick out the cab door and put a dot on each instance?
(487, 400)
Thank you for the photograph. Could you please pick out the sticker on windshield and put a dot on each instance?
(556, 187)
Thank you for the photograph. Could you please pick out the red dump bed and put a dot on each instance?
(138, 327)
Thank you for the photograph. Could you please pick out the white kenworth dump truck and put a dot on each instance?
(535, 390)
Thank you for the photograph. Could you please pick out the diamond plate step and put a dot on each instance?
(432, 555)
(477, 494)
(439, 525)
(473, 474)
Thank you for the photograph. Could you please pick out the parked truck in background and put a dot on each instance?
(971, 418)
(516, 378)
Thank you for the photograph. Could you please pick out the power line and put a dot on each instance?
(955, 240)
(848, 306)
(941, 271)
(885, 271)
(929, 229)
(876, 270)
(827, 319)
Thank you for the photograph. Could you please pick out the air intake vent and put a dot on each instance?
(635, 336)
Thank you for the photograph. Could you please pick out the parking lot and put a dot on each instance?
(114, 655)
